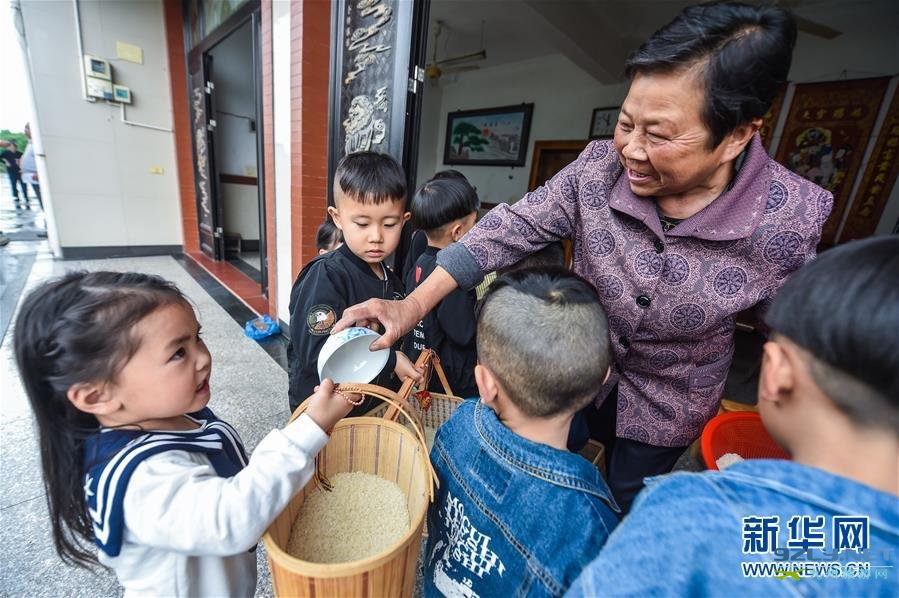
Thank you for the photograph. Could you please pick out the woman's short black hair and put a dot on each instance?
(843, 309)
(441, 201)
(747, 52)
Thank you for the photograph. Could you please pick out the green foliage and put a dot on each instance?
(467, 135)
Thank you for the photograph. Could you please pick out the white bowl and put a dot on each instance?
(345, 357)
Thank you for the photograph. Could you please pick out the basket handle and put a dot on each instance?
(429, 362)
(397, 404)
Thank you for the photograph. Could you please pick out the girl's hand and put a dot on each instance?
(326, 407)
(406, 369)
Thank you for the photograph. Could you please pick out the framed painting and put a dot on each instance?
(488, 137)
(826, 134)
(877, 182)
(603, 121)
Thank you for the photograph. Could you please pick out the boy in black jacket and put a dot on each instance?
(369, 209)
(445, 209)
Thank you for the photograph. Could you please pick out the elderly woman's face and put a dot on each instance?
(661, 138)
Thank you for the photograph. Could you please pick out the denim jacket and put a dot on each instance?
(688, 535)
(512, 517)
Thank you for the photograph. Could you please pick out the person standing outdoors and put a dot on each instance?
(10, 156)
(28, 167)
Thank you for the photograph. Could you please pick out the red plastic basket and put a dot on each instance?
(740, 432)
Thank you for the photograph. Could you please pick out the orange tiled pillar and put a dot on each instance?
(310, 53)
(174, 38)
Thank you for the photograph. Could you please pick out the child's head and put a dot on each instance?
(834, 352)
(328, 237)
(553, 255)
(445, 209)
(96, 348)
(543, 342)
(369, 204)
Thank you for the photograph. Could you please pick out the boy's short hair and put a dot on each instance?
(327, 235)
(843, 310)
(371, 177)
(449, 173)
(551, 255)
(441, 201)
(543, 334)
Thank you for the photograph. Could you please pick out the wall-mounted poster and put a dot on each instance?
(488, 137)
(769, 121)
(826, 134)
(878, 180)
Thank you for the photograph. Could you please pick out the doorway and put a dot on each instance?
(224, 69)
(236, 160)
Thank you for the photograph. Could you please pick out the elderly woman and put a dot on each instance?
(681, 222)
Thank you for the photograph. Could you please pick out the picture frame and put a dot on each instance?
(603, 121)
(827, 130)
(489, 136)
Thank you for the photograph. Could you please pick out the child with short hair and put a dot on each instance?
(516, 513)
(118, 378)
(445, 209)
(825, 523)
(369, 209)
(327, 237)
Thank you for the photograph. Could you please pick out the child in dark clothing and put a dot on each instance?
(327, 237)
(369, 209)
(445, 209)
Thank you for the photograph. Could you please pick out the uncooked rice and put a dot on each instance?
(363, 515)
(727, 459)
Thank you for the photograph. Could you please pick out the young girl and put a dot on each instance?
(118, 378)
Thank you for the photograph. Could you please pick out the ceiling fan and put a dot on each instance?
(453, 64)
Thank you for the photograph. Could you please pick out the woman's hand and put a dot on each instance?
(326, 407)
(406, 369)
(398, 317)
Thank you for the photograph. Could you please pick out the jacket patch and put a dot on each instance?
(320, 319)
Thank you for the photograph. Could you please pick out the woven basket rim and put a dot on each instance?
(330, 570)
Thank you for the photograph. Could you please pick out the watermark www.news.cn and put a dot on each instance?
(809, 552)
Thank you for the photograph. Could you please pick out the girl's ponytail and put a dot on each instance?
(73, 329)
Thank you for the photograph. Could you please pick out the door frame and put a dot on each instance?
(249, 12)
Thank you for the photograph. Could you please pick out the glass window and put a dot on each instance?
(216, 12)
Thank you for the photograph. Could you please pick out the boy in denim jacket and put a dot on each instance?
(516, 513)
(825, 523)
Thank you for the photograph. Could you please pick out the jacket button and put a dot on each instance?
(624, 341)
(643, 301)
(659, 246)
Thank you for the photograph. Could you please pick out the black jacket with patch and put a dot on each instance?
(324, 288)
(449, 329)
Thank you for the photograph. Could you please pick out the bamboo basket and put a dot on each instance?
(432, 408)
(375, 446)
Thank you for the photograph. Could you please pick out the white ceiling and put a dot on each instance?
(598, 35)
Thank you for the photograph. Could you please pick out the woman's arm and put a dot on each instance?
(504, 236)
(398, 317)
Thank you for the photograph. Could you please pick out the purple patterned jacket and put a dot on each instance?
(671, 298)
